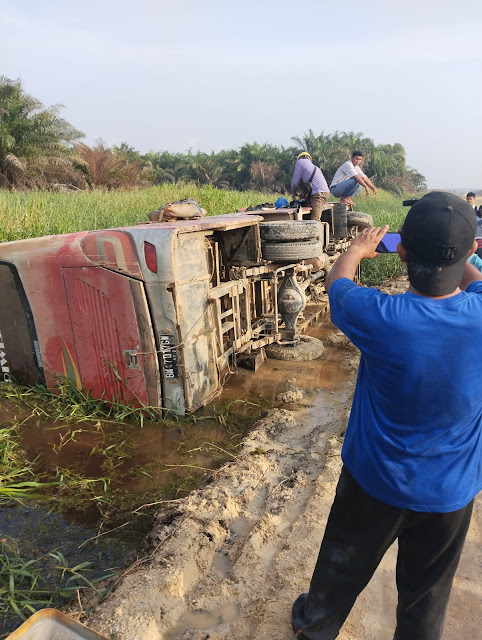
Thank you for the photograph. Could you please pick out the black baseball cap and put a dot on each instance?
(438, 233)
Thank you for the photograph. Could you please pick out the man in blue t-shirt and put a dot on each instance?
(412, 452)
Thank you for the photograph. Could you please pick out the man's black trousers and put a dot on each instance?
(359, 531)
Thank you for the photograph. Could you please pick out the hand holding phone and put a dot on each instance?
(389, 243)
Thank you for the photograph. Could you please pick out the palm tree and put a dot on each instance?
(205, 169)
(104, 167)
(168, 167)
(34, 140)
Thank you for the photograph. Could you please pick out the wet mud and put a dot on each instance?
(229, 560)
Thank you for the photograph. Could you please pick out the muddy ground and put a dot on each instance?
(228, 561)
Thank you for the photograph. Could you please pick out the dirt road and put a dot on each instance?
(228, 561)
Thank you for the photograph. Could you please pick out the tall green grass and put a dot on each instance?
(385, 209)
(38, 213)
(26, 586)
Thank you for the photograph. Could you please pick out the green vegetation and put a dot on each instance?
(385, 209)
(75, 405)
(50, 185)
(34, 141)
(36, 152)
(108, 434)
(29, 585)
(18, 480)
(36, 213)
(259, 167)
(386, 163)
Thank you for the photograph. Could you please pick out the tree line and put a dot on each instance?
(39, 149)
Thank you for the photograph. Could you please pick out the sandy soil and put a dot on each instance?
(228, 561)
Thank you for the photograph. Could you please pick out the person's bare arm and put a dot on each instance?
(366, 183)
(363, 246)
(370, 184)
(471, 274)
(361, 181)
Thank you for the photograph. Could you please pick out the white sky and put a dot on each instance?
(212, 74)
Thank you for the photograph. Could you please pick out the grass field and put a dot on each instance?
(38, 213)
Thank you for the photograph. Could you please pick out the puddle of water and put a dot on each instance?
(63, 447)
(38, 530)
(140, 460)
(329, 373)
(204, 619)
(145, 464)
(155, 449)
(222, 564)
(7, 413)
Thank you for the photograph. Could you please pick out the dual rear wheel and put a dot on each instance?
(293, 240)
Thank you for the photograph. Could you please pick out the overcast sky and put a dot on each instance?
(209, 75)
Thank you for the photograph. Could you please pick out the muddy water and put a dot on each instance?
(145, 465)
(154, 449)
(271, 378)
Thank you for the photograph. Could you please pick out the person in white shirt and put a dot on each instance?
(470, 197)
(349, 180)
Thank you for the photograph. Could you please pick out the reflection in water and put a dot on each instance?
(121, 451)
(140, 460)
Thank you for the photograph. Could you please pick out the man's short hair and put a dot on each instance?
(357, 153)
(470, 194)
(438, 233)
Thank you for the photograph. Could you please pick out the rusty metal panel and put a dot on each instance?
(227, 221)
(183, 308)
(192, 257)
(38, 263)
(112, 335)
(241, 246)
(197, 342)
(113, 250)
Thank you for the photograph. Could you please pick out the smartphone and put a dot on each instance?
(389, 243)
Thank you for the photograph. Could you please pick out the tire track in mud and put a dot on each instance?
(243, 547)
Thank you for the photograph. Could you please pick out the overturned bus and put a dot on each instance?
(154, 314)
